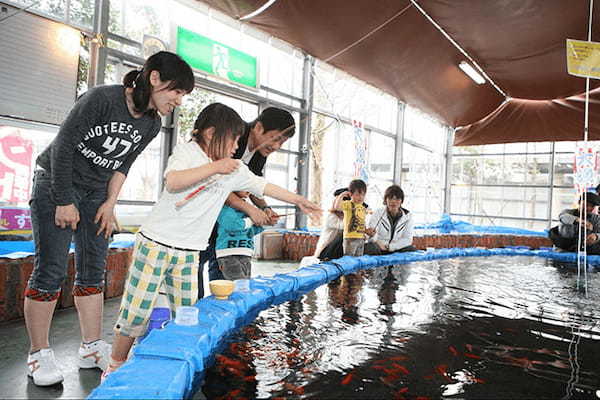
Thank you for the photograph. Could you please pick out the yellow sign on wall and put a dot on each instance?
(583, 58)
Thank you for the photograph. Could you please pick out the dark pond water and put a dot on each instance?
(469, 328)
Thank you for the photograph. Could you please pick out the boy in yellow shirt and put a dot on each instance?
(355, 212)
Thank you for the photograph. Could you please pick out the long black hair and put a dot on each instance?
(171, 68)
(227, 123)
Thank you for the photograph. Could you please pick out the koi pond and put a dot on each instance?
(470, 328)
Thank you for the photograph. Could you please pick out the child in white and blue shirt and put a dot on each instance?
(235, 242)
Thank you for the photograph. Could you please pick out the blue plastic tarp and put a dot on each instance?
(22, 249)
(170, 361)
(447, 225)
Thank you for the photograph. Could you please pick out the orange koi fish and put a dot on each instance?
(294, 389)
(388, 381)
(400, 368)
(347, 378)
(230, 362)
(442, 369)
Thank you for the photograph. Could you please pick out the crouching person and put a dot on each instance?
(390, 227)
(573, 229)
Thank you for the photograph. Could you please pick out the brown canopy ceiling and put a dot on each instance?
(390, 44)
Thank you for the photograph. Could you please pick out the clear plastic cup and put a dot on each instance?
(186, 315)
(242, 285)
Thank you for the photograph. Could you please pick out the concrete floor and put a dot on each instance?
(65, 339)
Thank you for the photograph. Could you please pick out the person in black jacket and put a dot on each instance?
(566, 235)
(261, 137)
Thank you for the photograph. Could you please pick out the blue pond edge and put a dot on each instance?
(170, 362)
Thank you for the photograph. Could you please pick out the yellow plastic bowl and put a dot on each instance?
(221, 288)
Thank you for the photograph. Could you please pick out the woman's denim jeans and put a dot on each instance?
(52, 242)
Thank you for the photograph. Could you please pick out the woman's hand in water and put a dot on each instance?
(226, 165)
(66, 216)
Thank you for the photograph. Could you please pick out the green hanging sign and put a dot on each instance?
(217, 59)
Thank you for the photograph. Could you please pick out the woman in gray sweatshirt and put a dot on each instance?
(75, 188)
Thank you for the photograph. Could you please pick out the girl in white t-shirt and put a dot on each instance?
(199, 176)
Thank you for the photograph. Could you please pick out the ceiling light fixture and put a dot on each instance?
(471, 72)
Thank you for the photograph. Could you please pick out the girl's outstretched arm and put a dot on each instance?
(307, 207)
(180, 179)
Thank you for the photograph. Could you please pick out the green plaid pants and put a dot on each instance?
(154, 264)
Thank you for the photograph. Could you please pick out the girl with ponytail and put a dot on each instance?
(75, 189)
(199, 177)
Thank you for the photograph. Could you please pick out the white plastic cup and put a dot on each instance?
(186, 315)
(242, 285)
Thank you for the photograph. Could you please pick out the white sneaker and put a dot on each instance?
(42, 368)
(94, 355)
(107, 371)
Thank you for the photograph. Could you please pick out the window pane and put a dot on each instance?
(422, 182)
(563, 169)
(19, 149)
(144, 177)
(81, 12)
(560, 147)
(130, 217)
(515, 148)
(55, 8)
(338, 92)
(381, 156)
(465, 170)
(458, 150)
(501, 169)
(281, 169)
(500, 201)
(346, 150)
(135, 18)
(539, 147)
(421, 128)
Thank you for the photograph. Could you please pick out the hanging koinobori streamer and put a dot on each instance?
(585, 167)
(360, 164)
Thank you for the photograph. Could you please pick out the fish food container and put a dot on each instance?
(221, 288)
